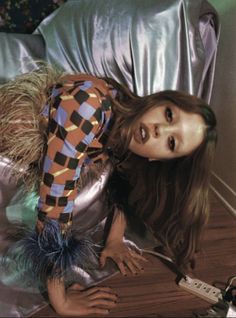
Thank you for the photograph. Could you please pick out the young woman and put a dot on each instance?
(161, 147)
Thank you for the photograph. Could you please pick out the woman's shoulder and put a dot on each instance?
(81, 96)
(86, 81)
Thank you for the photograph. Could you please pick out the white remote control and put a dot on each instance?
(201, 289)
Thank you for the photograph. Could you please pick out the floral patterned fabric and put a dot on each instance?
(23, 16)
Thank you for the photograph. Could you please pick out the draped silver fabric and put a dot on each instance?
(19, 53)
(149, 45)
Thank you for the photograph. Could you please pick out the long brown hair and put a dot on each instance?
(171, 196)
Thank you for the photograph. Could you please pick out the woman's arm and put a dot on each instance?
(115, 247)
(75, 121)
(79, 107)
(118, 226)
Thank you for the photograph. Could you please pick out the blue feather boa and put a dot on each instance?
(50, 253)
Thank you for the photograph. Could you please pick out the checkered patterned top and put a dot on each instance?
(79, 111)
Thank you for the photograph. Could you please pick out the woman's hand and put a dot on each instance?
(124, 256)
(77, 301)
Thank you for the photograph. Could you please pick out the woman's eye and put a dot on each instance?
(169, 115)
(171, 143)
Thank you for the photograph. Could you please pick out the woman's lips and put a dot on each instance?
(141, 134)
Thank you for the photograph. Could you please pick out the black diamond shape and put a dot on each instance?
(62, 201)
(81, 147)
(56, 102)
(60, 158)
(98, 114)
(81, 96)
(48, 179)
(50, 200)
(61, 133)
(64, 217)
(42, 215)
(75, 118)
(52, 125)
(86, 127)
(69, 185)
(103, 139)
(106, 104)
(73, 163)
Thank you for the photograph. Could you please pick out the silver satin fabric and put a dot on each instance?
(19, 53)
(149, 45)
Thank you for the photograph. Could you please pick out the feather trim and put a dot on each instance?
(22, 128)
(50, 253)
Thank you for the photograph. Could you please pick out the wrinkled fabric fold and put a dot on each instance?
(19, 53)
(147, 45)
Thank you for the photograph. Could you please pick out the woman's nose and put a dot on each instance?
(163, 129)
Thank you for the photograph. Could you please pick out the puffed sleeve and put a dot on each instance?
(76, 118)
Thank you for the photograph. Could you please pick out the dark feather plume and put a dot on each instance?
(50, 253)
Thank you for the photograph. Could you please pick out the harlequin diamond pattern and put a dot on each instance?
(79, 110)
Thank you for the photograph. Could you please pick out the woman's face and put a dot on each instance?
(166, 132)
